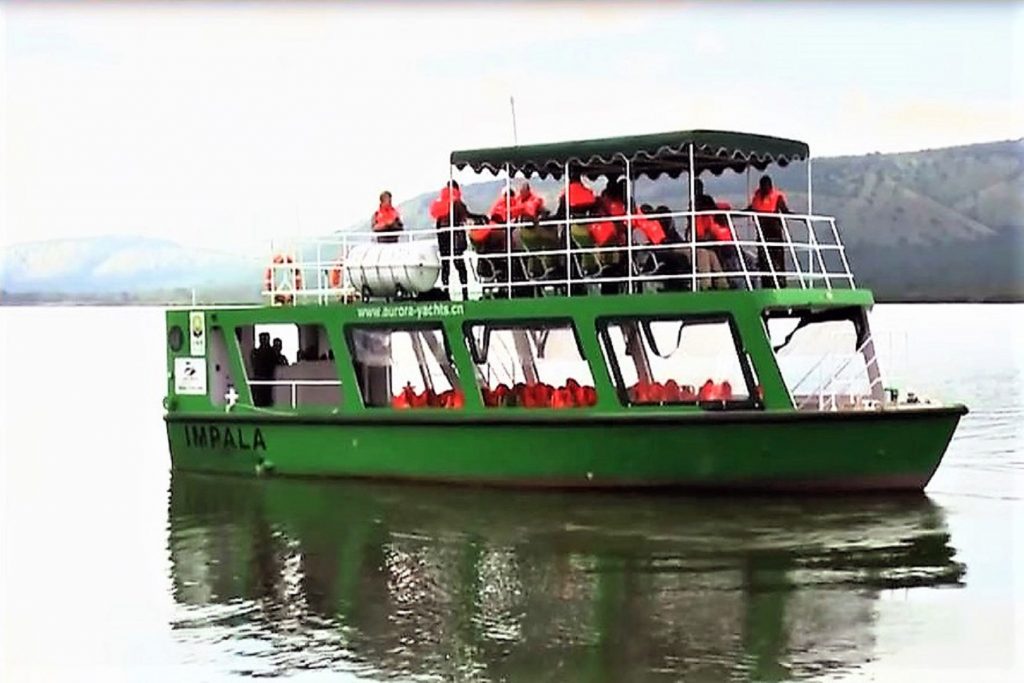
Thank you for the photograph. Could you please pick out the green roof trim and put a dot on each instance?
(652, 155)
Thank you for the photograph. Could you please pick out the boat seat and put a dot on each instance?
(541, 238)
(591, 264)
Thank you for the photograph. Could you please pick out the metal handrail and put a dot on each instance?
(283, 274)
(294, 384)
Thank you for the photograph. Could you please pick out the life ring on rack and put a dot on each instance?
(268, 279)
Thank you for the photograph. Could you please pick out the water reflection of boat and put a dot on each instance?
(403, 581)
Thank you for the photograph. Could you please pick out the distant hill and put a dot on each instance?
(943, 224)
(119, 269)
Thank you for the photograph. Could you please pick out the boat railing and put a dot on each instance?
(294, 385)
(559, 253)
(840, 391)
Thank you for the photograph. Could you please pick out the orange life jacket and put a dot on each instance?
(710, 229)
(499, 206)
(384, 216)
(651, 228)
(768, 203)
(439, 207)
(531, 204)
(480, 234)
(580, 196)
(603, 233)
(613, 207)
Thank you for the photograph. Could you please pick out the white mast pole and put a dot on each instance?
(515, 131)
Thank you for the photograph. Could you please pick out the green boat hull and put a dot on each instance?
(886, 450)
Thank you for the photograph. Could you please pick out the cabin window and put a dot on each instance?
(684, 360)
(289, 366)
(404, 366)
(826, 358)
(530, 365)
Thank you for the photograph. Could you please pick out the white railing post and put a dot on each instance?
(739, 251)
(816, 250)
(629, 229)
(508, 230)
(568, 233)
(792, 251)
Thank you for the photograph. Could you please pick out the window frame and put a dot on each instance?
(602, 323)
(349, 327)
(523, 324)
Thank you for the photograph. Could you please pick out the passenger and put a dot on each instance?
(581, 198)
(279, 358)
(507, 205)
(768, 200)
(264, 364)
(714, 228)
(531, 204)
(386, 221)
(449, 211)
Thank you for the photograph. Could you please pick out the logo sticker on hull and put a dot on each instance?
(197, 333)
(190, 376)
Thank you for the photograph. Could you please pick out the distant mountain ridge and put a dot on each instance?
(942, 224)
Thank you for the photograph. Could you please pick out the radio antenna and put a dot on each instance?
(515, 132)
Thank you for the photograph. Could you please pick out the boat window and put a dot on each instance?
(289, 366)
(677, 361)
(825, 357)
(530, 365)
(404, 366)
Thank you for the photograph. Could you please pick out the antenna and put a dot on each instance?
(515, 133)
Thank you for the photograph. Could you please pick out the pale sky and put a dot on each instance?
(224, 125)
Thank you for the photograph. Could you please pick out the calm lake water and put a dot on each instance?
(113, 569)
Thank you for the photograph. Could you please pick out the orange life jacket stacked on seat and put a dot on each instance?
(439, 207)
(530, 203)
(768, 203)
(651, 228)
(385, 216)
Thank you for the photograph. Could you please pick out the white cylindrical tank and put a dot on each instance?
(382, 269)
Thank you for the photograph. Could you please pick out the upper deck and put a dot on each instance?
(569, 252)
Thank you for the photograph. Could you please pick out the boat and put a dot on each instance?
(743, 362)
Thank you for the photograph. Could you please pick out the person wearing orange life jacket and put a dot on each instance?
(714, 228)
(581, 198)
(531, 204)
(386, 222)
(452, 243)
(768, 200)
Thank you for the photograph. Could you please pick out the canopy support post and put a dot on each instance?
(568, 235)
(508, 227)
(810, 204)
(629, 228)
(450, 235)
(693, 224)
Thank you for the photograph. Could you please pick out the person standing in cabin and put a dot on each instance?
(386, 222)
(264, 365)
(768, 200)
(279, 357)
